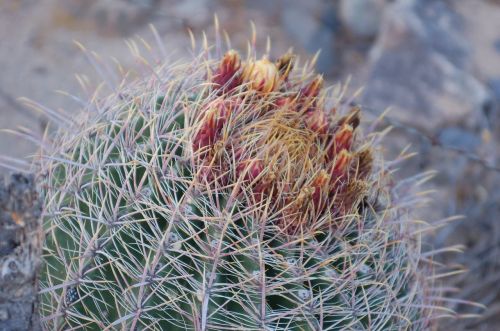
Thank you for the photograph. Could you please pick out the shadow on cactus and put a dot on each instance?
(228, 194)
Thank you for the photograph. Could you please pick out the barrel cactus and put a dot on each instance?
(227, 193)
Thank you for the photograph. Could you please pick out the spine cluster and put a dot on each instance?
(283, 141)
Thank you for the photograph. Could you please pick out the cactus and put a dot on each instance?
(227, 194)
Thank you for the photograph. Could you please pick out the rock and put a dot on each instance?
(495, 88)
(497, 45)
(493, 112)
(195, 13)
(423, 66)
(420, 66)
(109, 17)
(362, 17)
(21, 237)
(314, 25)
(459, 138)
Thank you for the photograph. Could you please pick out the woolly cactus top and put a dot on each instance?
(226, 194)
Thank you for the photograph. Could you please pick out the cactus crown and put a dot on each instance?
(226, 195)
(269, 136)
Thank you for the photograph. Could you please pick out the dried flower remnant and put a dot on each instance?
(352, 118)
(285, 65)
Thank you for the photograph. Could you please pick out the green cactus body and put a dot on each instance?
(224, 196)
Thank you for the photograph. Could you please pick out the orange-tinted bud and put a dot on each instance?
(343, 137)
(318, 184)
(261, 75)
(340, 165)
(226, 76)
(316, 121)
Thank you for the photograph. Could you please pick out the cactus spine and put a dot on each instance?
(226, 195)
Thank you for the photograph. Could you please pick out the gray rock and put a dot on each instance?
(459, 138)
(362, 17)
(20, 251)
(111, 16)
(493, 112)
(314, 25)
(495, 88)
(497, 45)
(123, 16)
(195, 13)
(420, 66)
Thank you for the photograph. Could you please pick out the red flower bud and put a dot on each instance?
(316, 121)
(313, 88)
(283, 102)
(212, 125)
(340, 166)
(308, 95)
(319, 183)
(343, 137)
(364, 160)
(226, 76)
(251, 169)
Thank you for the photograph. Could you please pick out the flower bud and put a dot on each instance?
(261, 75)
(343, 138)
(308, 95)
(313, 88)
(250, 168)
(319, 183)
(340, 166)
(284, 102)
(316, 121)
(226, 76)
(212, 124)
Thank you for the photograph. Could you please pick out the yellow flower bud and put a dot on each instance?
(261, 75)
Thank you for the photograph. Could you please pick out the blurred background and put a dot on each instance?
(436, 63)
